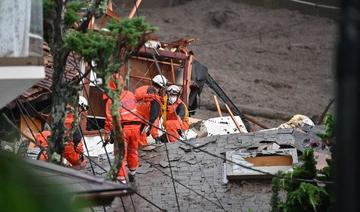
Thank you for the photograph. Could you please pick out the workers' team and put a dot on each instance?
(150, 111)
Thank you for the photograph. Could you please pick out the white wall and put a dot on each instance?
(14, 80)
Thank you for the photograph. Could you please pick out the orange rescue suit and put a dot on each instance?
(71, 154)
(131, 124)
(174, 123)
(42, 138)
(145, 95)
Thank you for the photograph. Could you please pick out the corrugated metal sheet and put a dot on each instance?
(43, 87)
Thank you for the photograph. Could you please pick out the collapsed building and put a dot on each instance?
(205, 174)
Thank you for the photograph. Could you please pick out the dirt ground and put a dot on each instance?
(263, 58)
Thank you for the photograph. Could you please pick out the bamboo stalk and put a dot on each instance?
(133, 11)
(217, 105)
(233, 118)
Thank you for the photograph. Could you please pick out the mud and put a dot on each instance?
(266, 58)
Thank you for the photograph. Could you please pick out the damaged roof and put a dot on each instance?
(43, 87)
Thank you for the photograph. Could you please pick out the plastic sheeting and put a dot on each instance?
(218, 126)
(95, 146)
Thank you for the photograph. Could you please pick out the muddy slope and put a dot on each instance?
(264, 58)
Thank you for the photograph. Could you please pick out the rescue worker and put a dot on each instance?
(42, 138)
(149, 102)
(177, 119)
(73, 150)
(130, 123)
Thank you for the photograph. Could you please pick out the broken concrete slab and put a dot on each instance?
(164, 164)
(148, 147)
(175, 158)
(144, 168)
(186, 148)
(266, 161)
(198, 145)
(192, 161)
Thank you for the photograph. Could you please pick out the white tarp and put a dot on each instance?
(224, 125)
(95, 146)
(219, 126)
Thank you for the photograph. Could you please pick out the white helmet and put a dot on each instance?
(160, 80)
(174, 89)
(83, 102)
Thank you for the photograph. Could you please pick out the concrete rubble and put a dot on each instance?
(204, 173)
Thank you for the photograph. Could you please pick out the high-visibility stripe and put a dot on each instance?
(127, 112)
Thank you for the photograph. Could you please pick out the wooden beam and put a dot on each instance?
(172, 71)
(270, 160)
(164, 53)
(140, 77)
(187, 80)
(151, 60)
(233, 118)
(134, 9)
(217, 105)
(254, 121)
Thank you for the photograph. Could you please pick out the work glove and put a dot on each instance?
(108, 138)
(181, 135)
(147, 130)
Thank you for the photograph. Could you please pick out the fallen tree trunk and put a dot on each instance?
(261, 112)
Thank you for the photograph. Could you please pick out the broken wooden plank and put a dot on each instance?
(161, 62)
(233, 118)
(217, 105)
(172, 71)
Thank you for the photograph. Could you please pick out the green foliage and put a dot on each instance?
(71, 14)
(307, 197)
(132, 31)
(22, 190)
(96, 46)
(72, 11)
(48, 8)
(275, 199)
(300, 196)
(307, 169)
(329, 122)
(105, 47)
